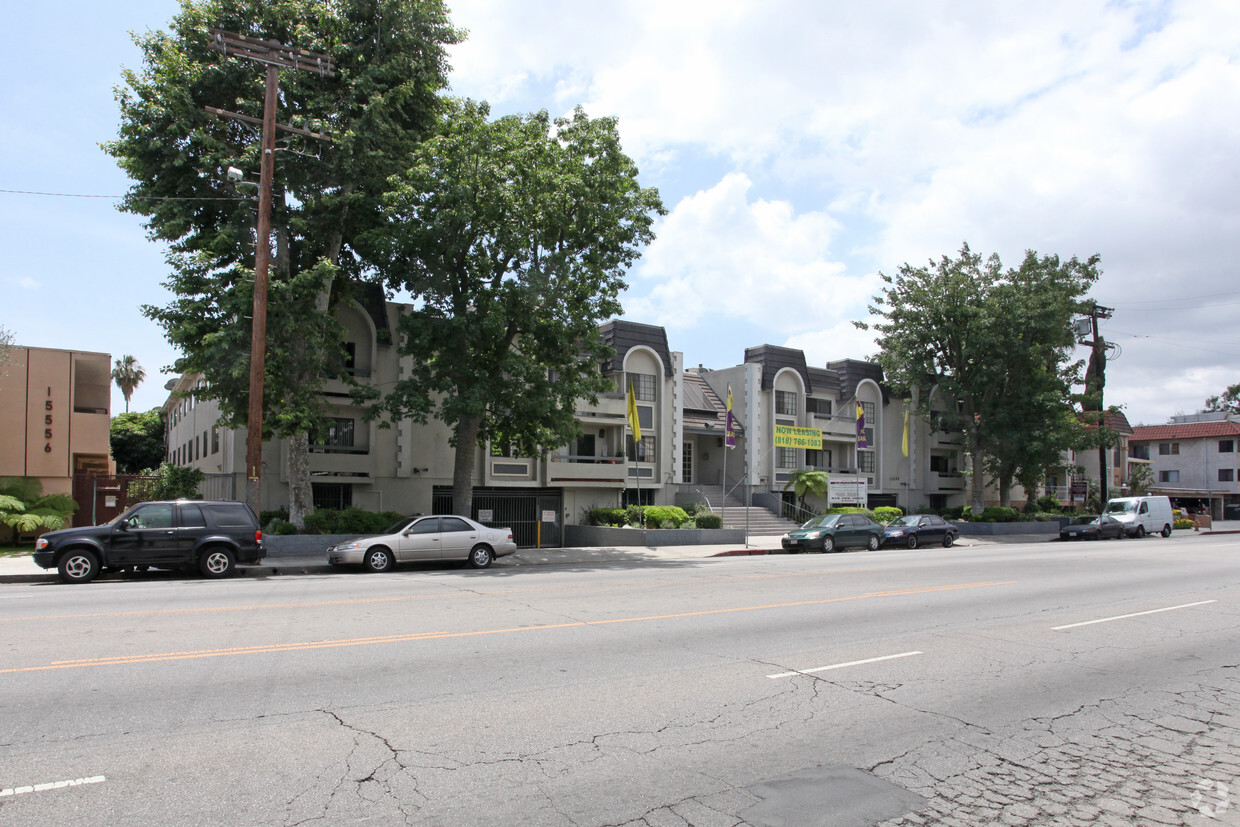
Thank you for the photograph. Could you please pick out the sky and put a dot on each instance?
(801, 148)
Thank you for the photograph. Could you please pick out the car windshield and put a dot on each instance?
(1087, 519)
(911, 519)
(1121, 507)
(822, 521)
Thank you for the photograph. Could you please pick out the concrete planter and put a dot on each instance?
(593, 536)
(1002, 529)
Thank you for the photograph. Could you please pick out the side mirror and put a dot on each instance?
(123, 525)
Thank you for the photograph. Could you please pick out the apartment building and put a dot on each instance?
(55, 417)
(1195, 461)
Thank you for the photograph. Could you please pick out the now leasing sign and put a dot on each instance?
(789, 436)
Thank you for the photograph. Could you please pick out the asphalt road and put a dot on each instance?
(1017, 684)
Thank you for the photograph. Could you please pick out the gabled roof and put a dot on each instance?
(1115, 420)
(703, 409)
(1185, 430)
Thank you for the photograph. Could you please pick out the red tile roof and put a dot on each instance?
(1186, 430)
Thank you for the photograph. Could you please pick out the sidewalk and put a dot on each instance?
(23, 569)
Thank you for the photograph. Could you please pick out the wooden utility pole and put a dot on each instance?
(1095, 381)
(275, 56)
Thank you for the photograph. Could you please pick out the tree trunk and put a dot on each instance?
(463, 471)
(300, 495)
(977, 482)
(1005, 492)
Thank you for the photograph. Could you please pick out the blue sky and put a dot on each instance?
(801, 148)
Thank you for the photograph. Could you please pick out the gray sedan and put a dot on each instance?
(447, 537)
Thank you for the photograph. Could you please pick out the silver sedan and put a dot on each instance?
(445, 537)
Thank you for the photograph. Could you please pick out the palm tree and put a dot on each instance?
(128, 374)
(805, 482)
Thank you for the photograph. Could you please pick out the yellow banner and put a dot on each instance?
(787, 436)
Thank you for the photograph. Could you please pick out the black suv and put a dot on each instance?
(210, 535)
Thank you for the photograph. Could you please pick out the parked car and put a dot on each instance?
(827, 532)
(446, 537)
(1093, 527)
(913, 530)
(1142, 515)
(212, 536)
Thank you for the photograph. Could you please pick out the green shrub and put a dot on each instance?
(321, 521)
(266, 517)
(359, 521)
(693, 509)
(886, 513)
(1049, 504)
(656, 516)
(169, 482)
(1181, 522)
(280, 528)
(852, 509)
(999, 514)
(954, 513)
(707, 519)
(605, 516)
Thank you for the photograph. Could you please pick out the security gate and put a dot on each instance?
(521, 510)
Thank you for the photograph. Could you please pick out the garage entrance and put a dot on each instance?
(519, 509)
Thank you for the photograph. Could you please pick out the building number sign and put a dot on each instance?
(47, 421)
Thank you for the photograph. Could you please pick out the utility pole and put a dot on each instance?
(1095, 381)
(275, 56)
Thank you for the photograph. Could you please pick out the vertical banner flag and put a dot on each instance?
(729, 439)
(861, 427)
(633, 421)
(904, 446)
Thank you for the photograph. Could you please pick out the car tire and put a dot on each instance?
(1140, 532)
(217, 562)
(480, 557)
(377, 559)
(911, 542)
(948, 539)
(828, 544)
(78, 566)
(873, 543)
(1166, 532)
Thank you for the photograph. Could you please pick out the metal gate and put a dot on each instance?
(521, 510)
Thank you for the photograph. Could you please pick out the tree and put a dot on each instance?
(391, 66)
(1140, 479)
(995, 343)
(513, 236)
(167, 482)
(137, 441)
(804, 483)
(127, 375)
(6, 346)
(1226, 402)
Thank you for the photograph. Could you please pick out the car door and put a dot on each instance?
(191, 524)
(932, 530)
(148, 538)
(419, 541)
(852, 531)
(457, 537)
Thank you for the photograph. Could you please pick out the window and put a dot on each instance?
(870, 422)
(785, 457)
(191, 516)
(333, 495)
(339, 433)
(1226, 446)
(454, 524)
(215, 440)
(785, 403)
(1168, 476)
(686, 462)
(1226, 475)
(865, 462)
(1139, 451)
(1166, 449)
(152, 516)
(943, 463)
(820, 460)
(645, 452)
(645, 417)
(818, 406)
(643, 386)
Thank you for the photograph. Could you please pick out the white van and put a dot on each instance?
(1142, 515)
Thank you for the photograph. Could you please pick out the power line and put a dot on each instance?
(120, 197)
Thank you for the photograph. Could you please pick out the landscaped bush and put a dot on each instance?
(852, 509)
(998, 514)
(359, 521)
(886, 513)
(707, 519)
(321, 521)
(1049, 503)
(605, 516)
(268, 517)
(657, 516)
(280, 528)
(954, 513)
(1180, 522)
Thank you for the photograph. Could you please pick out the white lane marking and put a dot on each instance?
(52, 785)
(842, 665)
(1134, 614)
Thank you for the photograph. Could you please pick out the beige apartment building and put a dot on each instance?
(55, 415)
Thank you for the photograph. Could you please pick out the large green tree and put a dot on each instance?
(514, 236)
(391, 66)
(137, 441)
(998, 345)
(1226, 402)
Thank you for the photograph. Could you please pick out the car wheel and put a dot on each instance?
(948, 539)
(911, 542)
(828, 544)
(216, 562)
(873, 543)
(480, 557)
(78, 567)
(1140, 532)
(377, 559)
(1166, 532)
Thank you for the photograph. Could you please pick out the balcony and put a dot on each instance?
(945, 481)
(600, 472)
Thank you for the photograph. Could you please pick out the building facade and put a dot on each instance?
(1195, 460)
(55, 416)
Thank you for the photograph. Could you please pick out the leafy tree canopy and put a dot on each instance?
(137, 441)
(514, 236)
(995, 342)
(1226, 402)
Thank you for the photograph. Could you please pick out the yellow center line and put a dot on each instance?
(120, 660)
(259, 607)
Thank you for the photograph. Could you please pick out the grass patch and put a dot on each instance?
(16, 551)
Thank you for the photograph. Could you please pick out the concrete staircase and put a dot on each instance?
(734, 512)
